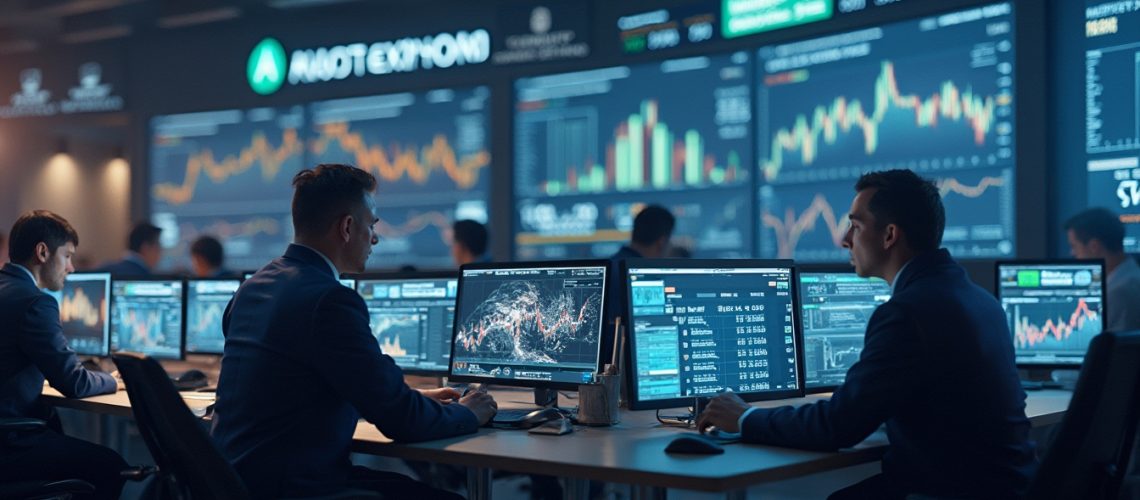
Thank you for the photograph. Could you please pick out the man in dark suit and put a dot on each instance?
(652, 230)
(145, 251)
(32, 348)
(468, 242)
(937, 366)
(301, 365)
(208, 258)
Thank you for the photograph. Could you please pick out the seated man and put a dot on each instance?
(301, 365)
(468, 242)
(144, 251)
(937, 365)
(1097, 233)
(208, 258)
(32, 348)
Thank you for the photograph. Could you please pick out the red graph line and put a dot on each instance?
(791, 228)
(514, 323)
(1029, 335)
(145, 331)
(259, 152)
(416, 164)
(952, 185)
(843, 115)
(416, 224)
(208, 315)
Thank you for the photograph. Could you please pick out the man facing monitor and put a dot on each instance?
(208, 258)
(1098, 234)
(301, 364)
(144, 253)
(33, 348)
(937, 365)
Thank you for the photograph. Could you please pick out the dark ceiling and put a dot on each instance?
(26, 25)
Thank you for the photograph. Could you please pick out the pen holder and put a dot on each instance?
(598, 402)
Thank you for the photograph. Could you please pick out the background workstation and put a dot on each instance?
(150, 110)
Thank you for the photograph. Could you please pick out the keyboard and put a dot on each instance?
(511, 414)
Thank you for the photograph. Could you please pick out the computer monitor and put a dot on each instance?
(701, 327)
(529, 324)
(147, 316)
(83, 311)
(412, 317)
(1054, 309)
(837, 304)
(206, 301)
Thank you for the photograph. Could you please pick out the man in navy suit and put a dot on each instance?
(208, 258)
(32, 348)
(937, 366)
(145, 251)
(301, 365)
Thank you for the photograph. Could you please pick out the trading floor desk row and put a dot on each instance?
(631, 452)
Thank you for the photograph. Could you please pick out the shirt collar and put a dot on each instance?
(336, 274)
(895, 282)
(26, 270)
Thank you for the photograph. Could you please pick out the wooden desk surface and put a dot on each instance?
(631, 452)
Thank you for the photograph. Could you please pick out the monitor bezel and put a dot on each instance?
(1039, 262)
(182, 332)
(818, 269)
(106, 278)
(797, 326)
(602, 356)
(413, 275)
(186, 313)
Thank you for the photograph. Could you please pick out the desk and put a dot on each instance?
(629, 453)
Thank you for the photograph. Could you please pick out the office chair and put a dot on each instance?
(1090, 455)
(189, 466)
(38, 490)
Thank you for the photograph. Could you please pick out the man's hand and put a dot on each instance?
(723, 412)
(481, 404)
(444, 395)
(119, 385)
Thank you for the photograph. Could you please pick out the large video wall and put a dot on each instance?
(754, 145)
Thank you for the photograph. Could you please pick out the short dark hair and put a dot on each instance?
(323, 194)
(1099, 224)
(209, 249)
(471, 234)
(142, 234)
(35, 227)
(908, 201)
(651, 224)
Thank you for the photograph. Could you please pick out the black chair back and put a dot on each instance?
(188, 462)
(1090, 455)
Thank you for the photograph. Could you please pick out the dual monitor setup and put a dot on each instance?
(764, 329)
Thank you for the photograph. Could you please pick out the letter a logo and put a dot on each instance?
(266, 67)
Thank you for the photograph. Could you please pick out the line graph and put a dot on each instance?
(204, 321)
(791, 228)
(843, 115)
(142, 328)
(1056, 325)
(259, 153)
(398, 333)
(396, 162)
(77, 307)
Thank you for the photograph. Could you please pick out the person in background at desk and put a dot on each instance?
(208, 258)
(302, 367)
(1097, 233)
(652, 230)
(32, 348)
(937, 365)
(145, 252)
(468, 242)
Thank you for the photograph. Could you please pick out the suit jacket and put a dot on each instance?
(32, 348)
(937, 366)
(129, 267)
(300, 368)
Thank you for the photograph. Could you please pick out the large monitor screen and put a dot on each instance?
(206, 301)
(518, 324)
(412, 318)
(837, 305)
(934, 95)
(703, 327)
(1054, 309)
(84, 305)
(1112, 101)
(594, 147)
(146, 317)
(226, 174)
(431, 154)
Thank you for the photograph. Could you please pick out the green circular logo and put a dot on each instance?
(266, 67)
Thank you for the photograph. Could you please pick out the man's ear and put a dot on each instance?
(891, 236)
(42, 253)
(345, 226)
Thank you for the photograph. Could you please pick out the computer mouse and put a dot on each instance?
(694, 445)
(539, 416)
(191, 376)
(190, 380)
